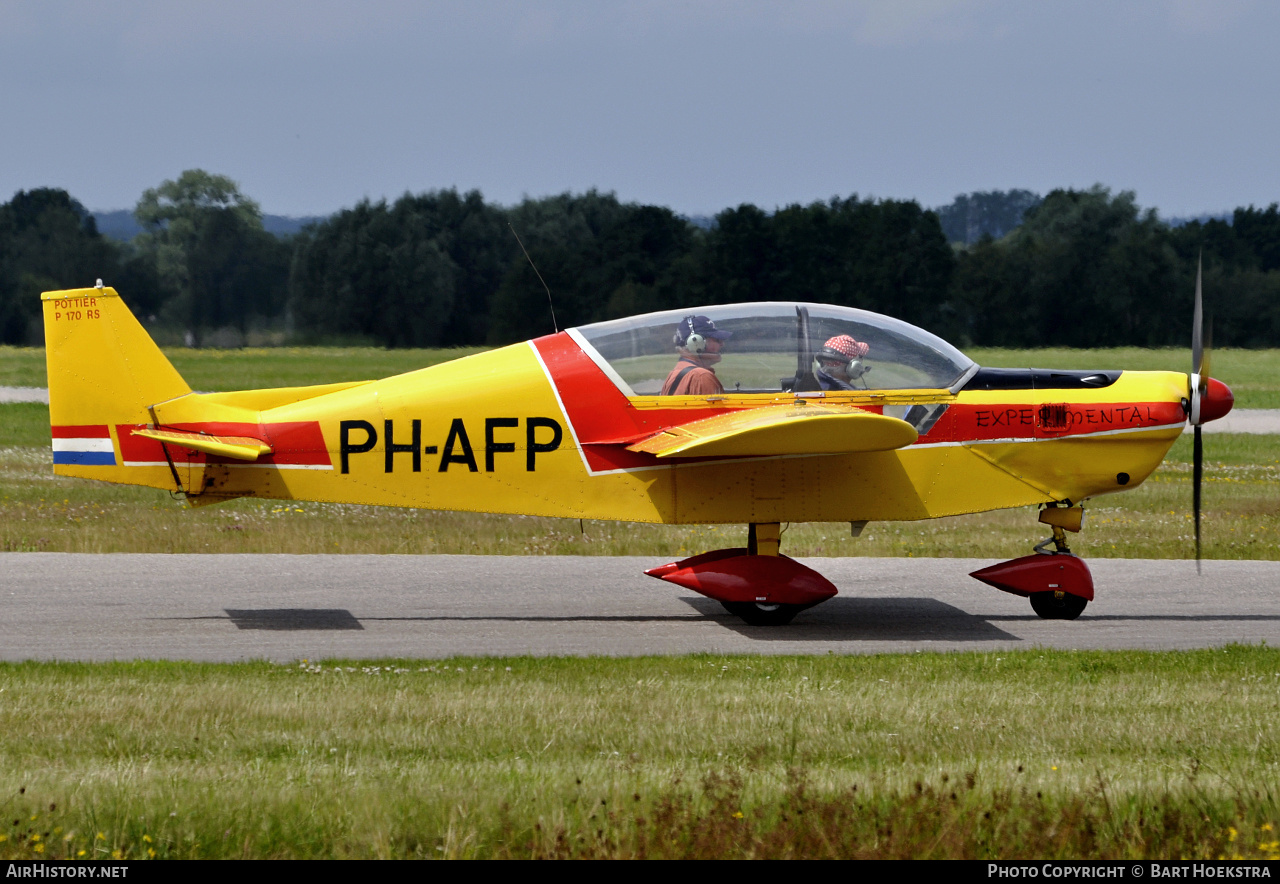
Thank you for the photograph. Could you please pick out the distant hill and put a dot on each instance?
(706, 222)
(1180, 220)
(992, 213)
(119, 224)
(995, 213)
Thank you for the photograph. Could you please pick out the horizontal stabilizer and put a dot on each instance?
(799, 428)
(237, 447)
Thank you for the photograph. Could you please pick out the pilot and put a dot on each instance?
(699, 342)
(840, 363)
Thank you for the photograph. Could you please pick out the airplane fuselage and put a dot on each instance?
(537, 428)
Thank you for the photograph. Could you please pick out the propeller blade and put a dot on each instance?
(1197, 472)
(1197, 323)
(1199, 386)
(1206, 367)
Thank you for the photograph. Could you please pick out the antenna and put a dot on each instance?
(540, 279)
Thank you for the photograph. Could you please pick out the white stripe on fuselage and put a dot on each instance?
(101, 445)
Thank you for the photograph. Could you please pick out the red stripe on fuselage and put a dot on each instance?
(1056, 420)
(603, 419)
(86, 431)
(293, 443)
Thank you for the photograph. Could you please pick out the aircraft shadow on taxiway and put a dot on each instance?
(875, 619)
(847, 619)
(322, 619)
(879, 619)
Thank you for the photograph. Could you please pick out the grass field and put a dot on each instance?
(1029, 754)
(254, 367)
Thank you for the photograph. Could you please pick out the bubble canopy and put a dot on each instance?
(772, 348)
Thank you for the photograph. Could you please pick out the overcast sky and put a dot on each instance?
(312, 106)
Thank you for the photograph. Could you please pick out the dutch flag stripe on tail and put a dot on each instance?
(86, 445)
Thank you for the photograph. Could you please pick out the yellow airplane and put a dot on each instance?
(759, 413)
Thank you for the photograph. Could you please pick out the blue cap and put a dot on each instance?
(699, 325)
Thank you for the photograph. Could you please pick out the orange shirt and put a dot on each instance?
(696, 380)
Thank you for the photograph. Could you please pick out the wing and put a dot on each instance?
(798, 428)
(238, 447)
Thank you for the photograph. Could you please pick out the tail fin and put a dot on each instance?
(104, 371)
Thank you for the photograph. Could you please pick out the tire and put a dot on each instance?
(1049, 607)
(760, 614)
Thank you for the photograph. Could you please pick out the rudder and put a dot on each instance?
(104, 370)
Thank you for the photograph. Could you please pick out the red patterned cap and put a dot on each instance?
(843, 345)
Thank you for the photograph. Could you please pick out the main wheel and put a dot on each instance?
(761, 614)
(1057, 605)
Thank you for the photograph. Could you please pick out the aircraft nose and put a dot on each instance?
(1216, 402)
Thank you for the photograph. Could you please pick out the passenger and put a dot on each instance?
(840, 363)
(700, 343)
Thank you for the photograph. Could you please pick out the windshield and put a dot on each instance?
(774, 347)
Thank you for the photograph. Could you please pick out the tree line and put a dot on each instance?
(1078, 268)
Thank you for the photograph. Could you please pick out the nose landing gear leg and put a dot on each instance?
(1056, 581)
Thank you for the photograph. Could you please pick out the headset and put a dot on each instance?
(854, 368)
(693, 342)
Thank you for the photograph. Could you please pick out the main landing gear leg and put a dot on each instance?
(758, 583)
(1056, 581)
(764, 539)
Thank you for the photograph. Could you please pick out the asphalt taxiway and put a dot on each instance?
(283, 607)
